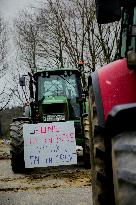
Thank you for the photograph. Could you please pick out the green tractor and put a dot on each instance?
(55, 96)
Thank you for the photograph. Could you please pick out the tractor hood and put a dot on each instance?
(56, 99)
(114, 84)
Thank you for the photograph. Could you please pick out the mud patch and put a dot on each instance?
(40, 178)
(45, 181)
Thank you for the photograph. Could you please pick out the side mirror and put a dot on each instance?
(108, 11)
(22, 81)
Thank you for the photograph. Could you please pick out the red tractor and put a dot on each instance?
(113, 98)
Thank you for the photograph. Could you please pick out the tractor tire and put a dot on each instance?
(86, 148)
(124, 167)
(17, 146)
(97, 155)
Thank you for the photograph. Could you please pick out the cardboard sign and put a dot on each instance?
(49, 144)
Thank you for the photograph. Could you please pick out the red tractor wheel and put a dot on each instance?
(124, 167)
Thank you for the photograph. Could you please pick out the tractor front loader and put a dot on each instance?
(55, 96)
(112, 91)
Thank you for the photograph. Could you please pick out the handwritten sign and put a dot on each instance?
(49, 144)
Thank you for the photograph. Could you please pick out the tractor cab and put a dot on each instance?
(58, 93)
(111, 11)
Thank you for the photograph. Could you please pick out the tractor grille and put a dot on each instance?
(55, 112)
(54, 117)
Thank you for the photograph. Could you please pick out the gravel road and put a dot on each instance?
(64, 185)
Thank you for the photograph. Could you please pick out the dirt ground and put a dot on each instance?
(49, 186)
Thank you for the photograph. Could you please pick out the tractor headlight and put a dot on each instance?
(54, 118)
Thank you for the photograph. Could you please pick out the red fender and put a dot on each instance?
(116, 86)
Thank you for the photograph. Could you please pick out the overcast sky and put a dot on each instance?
(10, 8)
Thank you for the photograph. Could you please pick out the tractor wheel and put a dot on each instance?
(17, 146)
(86, 148)
(124, 168)
(97, 155)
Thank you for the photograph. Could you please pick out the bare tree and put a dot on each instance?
(74, 34)
(61, 33)
(63, 26)
(27, 38)
(52, 42)
(3, 47)
(3, 60)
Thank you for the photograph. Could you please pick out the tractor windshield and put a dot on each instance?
(58, 85)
